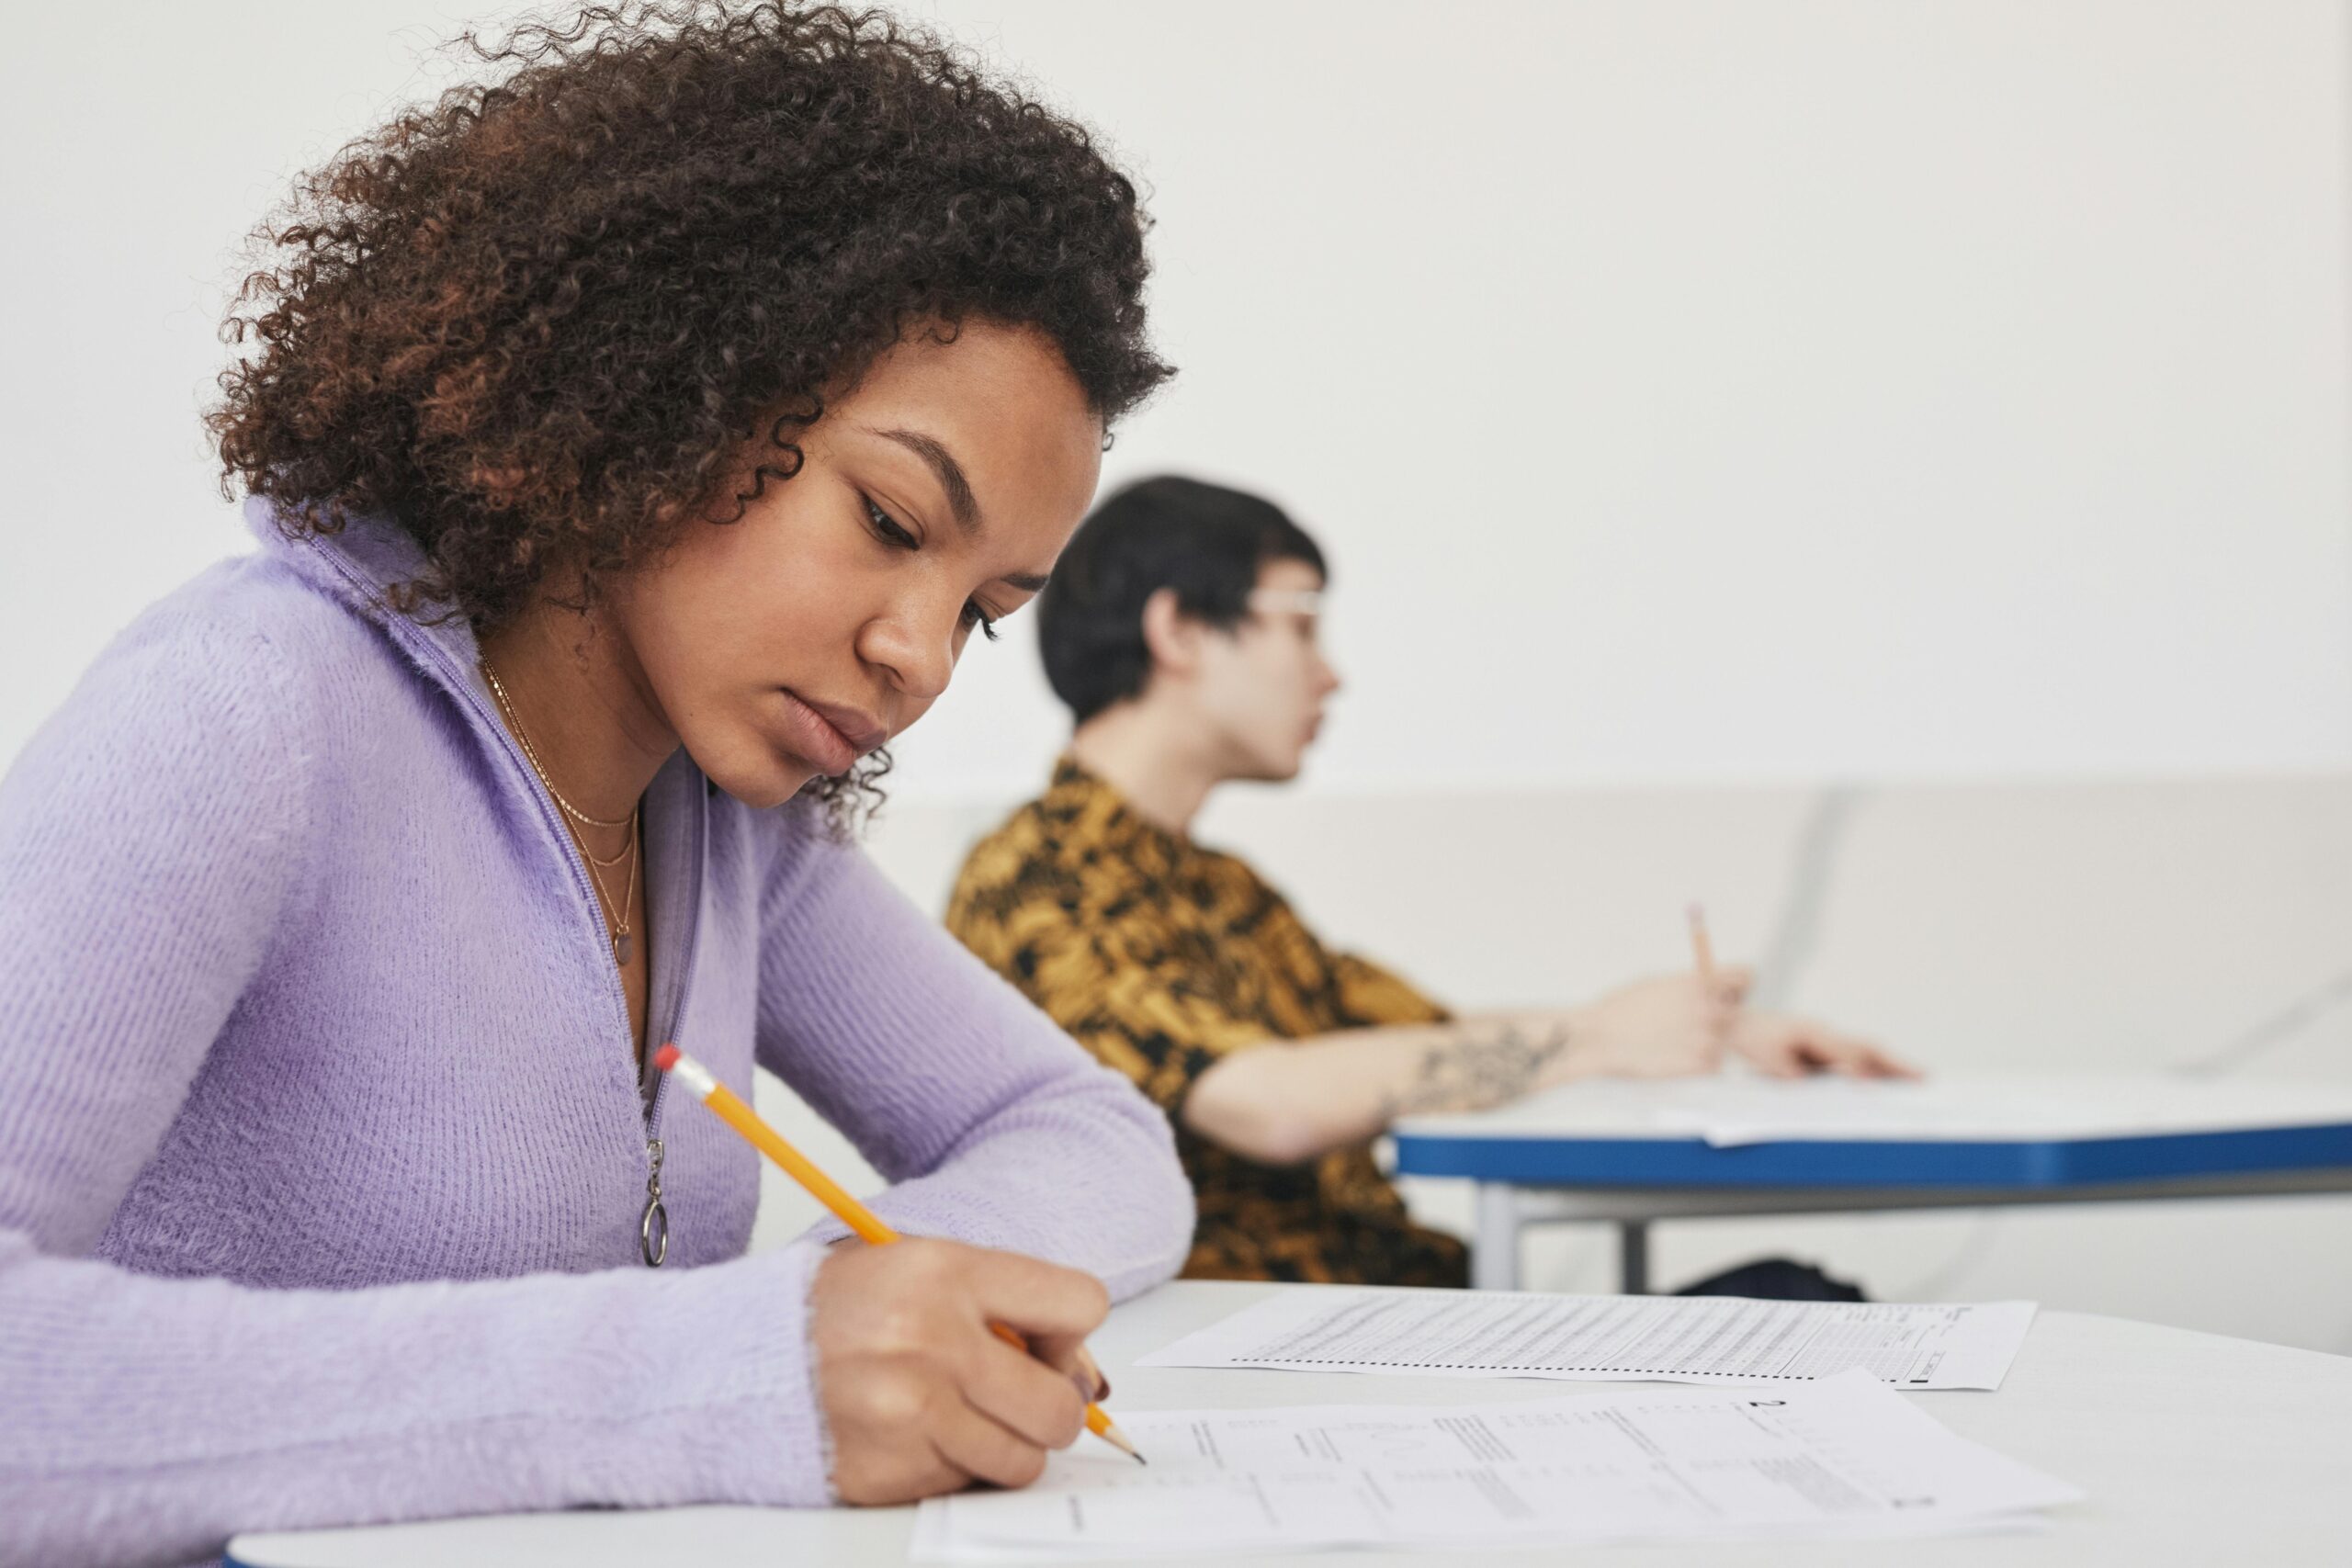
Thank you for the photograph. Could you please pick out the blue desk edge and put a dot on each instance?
(1692, 1162)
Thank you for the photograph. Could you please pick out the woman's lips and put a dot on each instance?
(860, 728)
(812, 737)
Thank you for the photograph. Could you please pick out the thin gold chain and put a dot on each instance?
(618, 912)
(629, 847)
(506, 706)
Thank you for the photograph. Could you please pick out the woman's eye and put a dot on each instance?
(888, 526)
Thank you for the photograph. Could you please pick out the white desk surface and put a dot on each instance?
(2194, 1449)
(1962, 1107)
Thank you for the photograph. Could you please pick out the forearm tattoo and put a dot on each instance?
(1470, 1074)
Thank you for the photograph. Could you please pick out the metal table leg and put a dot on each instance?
(1633, 1256)
(1494, 1254)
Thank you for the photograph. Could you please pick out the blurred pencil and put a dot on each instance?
(1703, 952)
(729, 1108)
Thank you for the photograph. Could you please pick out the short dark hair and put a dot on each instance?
(1204, 541)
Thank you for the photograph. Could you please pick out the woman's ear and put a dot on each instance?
(1169, 635)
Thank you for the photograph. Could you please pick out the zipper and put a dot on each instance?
(653, 1225)
(653, 1221)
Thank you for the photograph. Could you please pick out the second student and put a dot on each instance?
(1179, 628)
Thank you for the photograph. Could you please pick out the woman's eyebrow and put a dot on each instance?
(945, 468)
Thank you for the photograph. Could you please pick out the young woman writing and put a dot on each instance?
(635, 445)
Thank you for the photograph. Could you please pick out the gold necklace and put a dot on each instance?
(629, 847)
(506, 706)
(623, 940)
(624, 943)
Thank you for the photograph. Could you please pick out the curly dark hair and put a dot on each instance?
(541, 321)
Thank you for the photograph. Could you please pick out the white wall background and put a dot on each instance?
(1697, 391)
(1688, 389)
(1722, 394)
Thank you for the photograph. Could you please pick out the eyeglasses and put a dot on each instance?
(1304, 604)
(1307, 602)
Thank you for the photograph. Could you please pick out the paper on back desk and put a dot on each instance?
(2018, 1108)
(1843, 1457)
(1531, 1334)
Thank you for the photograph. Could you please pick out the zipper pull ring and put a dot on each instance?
(653, 1228)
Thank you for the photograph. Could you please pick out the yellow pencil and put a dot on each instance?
(729, 1108)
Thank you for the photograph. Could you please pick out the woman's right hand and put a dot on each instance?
(921, 1396)
(1668, 1026)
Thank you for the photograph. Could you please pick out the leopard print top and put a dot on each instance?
(1161, 957)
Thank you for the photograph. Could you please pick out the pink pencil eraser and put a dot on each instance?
(666, 1057)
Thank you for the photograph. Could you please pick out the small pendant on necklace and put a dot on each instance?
(624, 946)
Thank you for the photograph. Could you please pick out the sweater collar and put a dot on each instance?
(361, 564)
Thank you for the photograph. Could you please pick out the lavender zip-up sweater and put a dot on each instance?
(323, 1155)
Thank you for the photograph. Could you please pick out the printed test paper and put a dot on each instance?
(1842, 1457)
(1709, 1339)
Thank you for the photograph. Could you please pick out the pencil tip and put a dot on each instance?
(1138, 1458)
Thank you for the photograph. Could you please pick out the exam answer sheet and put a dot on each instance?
(1706, 1339)
(1842, 1457)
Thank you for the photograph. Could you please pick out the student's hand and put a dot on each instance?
(1784, 1047)
(1665, 1027)
(920, 1395)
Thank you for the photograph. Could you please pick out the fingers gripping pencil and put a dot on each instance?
(729, 1108)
